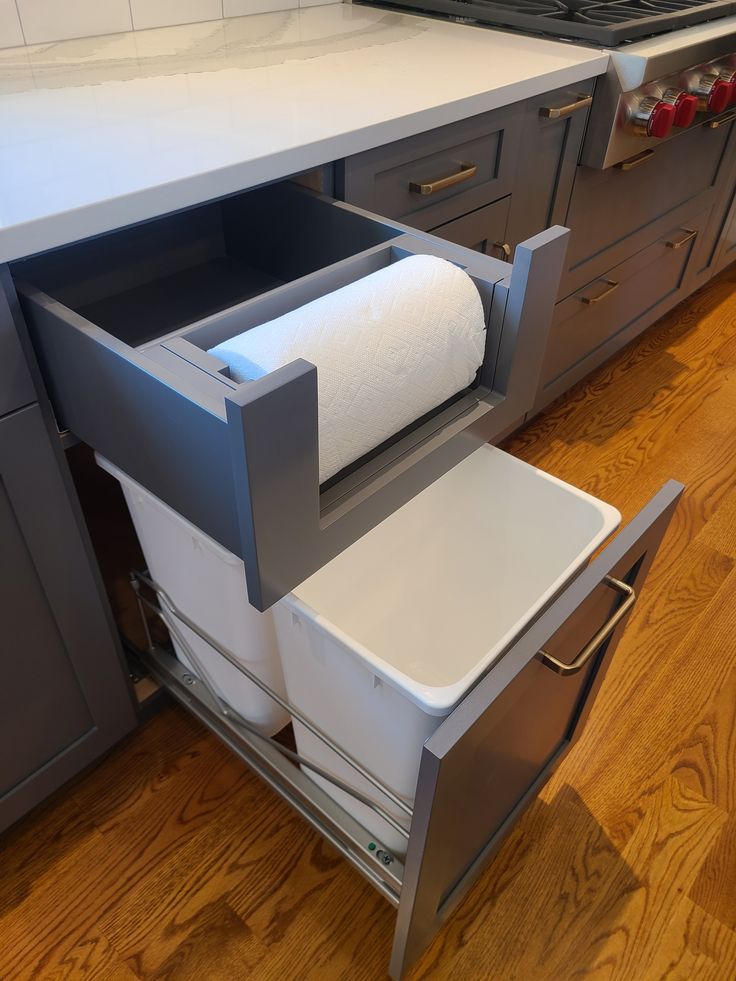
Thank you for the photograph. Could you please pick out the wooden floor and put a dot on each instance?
(171, 861)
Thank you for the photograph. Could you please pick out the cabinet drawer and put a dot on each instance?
(122, 326)
(614, 213)
(435, 177)
(483, 230)
(611, 303)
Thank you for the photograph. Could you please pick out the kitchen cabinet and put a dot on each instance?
(521, 160)
(727, 243)
(65, 697)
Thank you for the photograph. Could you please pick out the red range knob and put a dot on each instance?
(720, 96)
(686, 106)
(661, 120)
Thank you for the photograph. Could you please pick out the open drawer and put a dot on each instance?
(499, 740)
(122, 325)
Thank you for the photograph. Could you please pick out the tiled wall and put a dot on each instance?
(35, 21)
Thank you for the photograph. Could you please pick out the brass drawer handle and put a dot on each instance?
(467, 172)
(582, 102)
(717, 123)
(678, 244)
(504, 248)
(590, 300)
(636, 161)
(559, 667)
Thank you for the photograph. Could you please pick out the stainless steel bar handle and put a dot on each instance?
(636, 161)
(559, 667)
(612, 286)
(467, 172)
(724, 121)
(552, 112)
(680, 242)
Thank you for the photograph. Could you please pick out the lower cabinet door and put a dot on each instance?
(488, 760)
(64, 697)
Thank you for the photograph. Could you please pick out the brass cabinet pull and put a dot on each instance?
(678, 244)
(612, 285)
(467, 172)
(636, 161)
(550, 112)
(504, 248)
(717, 123)
(559, 667)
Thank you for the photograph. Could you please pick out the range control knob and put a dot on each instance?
(652, 117)
(728, 75)
(685, 105)
(714, 93)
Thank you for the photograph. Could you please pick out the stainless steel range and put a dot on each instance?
(673, 62)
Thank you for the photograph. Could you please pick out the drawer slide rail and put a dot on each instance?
(201, 688)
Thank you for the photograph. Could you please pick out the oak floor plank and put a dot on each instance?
(171, 860)
(90, 957)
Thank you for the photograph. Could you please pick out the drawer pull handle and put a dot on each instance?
(678, 244)
(582, 102)
(612, 286)
(636, 161)
(504, 248)
(559, 667)
(467, 172)
(717, 123)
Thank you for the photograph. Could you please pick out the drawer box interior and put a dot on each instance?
(147, 281)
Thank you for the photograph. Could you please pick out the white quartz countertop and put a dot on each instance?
(101, 132)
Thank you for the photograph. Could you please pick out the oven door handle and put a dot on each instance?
(550, 112)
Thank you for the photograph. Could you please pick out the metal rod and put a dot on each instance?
(325, 815)
(287, 706)
(237, 719)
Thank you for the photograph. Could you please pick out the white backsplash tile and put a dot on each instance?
(55, 20)
(159, 13)
(11, 34)
(239, 8)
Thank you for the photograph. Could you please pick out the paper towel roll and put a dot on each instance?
(388, 348)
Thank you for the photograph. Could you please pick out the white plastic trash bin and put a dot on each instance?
(207, 583)
(380, 645)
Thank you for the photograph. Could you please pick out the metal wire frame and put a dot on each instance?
(170, 610)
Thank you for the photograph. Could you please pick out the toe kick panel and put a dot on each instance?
(122, 326)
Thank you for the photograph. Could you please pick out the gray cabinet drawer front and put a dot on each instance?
(627, 292)
(612, 211)
(129, 374)
(483, 230)
(491, 756)
(379, 180)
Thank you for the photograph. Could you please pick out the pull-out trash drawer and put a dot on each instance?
(438, 671)
(123, 324)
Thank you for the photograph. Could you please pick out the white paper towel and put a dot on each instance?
(388, 348)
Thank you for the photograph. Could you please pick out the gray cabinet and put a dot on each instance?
(520, 160)
(64, 697)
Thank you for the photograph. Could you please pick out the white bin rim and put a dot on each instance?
(492, 539)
